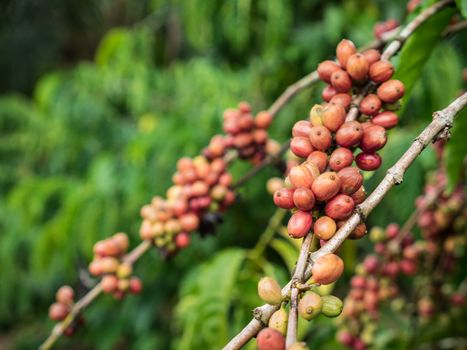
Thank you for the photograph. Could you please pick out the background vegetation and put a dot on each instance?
(98, 100)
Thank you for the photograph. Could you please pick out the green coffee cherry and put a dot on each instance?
(279, 320)
(269, 291)
(310, 306)
(332, 306)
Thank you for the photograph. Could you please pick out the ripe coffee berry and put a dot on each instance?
(344, 50)
(320, 138)
(327, 269)
(359, 196)
(299, 224)
(368, 161)
(318, 158)
(381, 71)
(301, 146)
(284, 198)
(342, 100)
(351, 180)
(371, 56)
(391, 91)
(263, 120)
(325, 70)
(301, 128)
(324, 228)
(341, 81)
(386, 119)
(58, 311)
(326, 186)
(374, 138)
(301, 176)
(370, 105)
(65, 295)
(270, 339)
(349, 134)
(304, 199)
(333, 116)
(340, 158)
(340, 207)
(328, 93)
(357, 66)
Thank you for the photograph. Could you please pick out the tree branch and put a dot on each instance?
(442, 120)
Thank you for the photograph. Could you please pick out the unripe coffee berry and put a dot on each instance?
(324, 228)
(326, 186)
(316, 115)
(333, 116)
(310, 305)
(279, 320)
(349, 134)
(320, 138)
(109, 283)
(301, 128)
(370, 105)
(332, 306)
(269, 291)
(342, 100)
(341, 81)
(301, 146)
(340, 158)
(351, 180)
(357, 66)
(318, 158)
(381, 71)
(325, 70)
(374, 138)
(386, 119)
(328, 93)
(270, 339)
(327, 269)
(368, 161)
(299, 224)
(391, 91)
(304, 199)
(340, 207)
(344, 50)
(371, 56)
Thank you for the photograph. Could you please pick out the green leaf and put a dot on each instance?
(456, 150)
(287, 252)
(462, 5)
(418, 49)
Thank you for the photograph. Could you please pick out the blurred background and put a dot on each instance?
(98, 99)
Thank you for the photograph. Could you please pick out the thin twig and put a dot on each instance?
(442, 122)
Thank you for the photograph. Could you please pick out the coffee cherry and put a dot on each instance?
(374, 138)
(284, 198)
(344, 50)
(65, 295)
(263, 120)
(301, 146)
(260, 136)
(392, 230)
(326, 186)
(299, 224)
(327, 269)
(301, 128)
(324, 228)
(371, 56)
(391, 91)
(310, 305)
(136, 286)
(357, 66)
(109, 283)
(381, 71)
(318, 158)
(341, 81)
(370, 105)
(320, 138)
(359, 196)
(182, 240)
(325, 70)
(351, 180)
(109, 264)
(274, 184)
(189, 222)
(58, 311)
(328, 93)
(340, 158)
(312, 168)
(345, 337)
(270, 339)
(316, 115)
(333, 116)
(95, 268)
(340, 207)
(359, 231)
(304, 199)
(408, 267)
(279, 320)
(342, 100)
(332, 306)
(124, 270)
(123, 284)
(301, 176)
(349, 134)
(269, 291)
(386, 119)
(368, 161)
(122, 241)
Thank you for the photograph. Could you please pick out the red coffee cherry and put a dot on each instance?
(340, 207)
(136, 286)
(351, 180)
(357, 66)
(327, 269)
(270, 339)
(368, 161)
(371, 264)
(263, 120)
(326, 186)
(333, 116)
(182, 240)
(341, 81)
(260, 136)
(318, 158)
(408, 267)
(349, 134)
(301, 176)
(299, 224)
(284, 198)
(374, 138)
(381, 71)
(328, 93)
(340, 158)
(342, 100)
(310, 305)
(246, 122)
(58, 311)
(324, 228)
(391, 91)
(301, 128)
(122, 241)
(65, 295)
(109, 283)
(386, 119)
(345, 338)
(371, 56)
(189, 222)
(304, 199)
(243, 140)
(312, 168)
(359, 231)
(320, 138)
(392, 230)
(359, 196)
(370, 105)
(325, 70)
(344, 50)
(301, 146)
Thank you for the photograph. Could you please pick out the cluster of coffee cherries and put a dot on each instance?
(60, 309)
(108, 262)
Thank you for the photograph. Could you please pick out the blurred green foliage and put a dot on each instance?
(115, 92)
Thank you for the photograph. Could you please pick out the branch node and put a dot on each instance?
(359, 211)
(397, 174)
